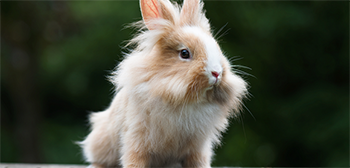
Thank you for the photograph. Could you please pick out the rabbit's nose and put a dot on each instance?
(215, 74)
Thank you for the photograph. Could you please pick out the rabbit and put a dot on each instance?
(175, 92)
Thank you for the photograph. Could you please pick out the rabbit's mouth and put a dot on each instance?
(215, 84)
(214, 81)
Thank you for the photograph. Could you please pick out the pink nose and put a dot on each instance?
(215, 74)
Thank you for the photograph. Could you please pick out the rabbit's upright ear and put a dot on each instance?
(155, 9)
(191, 12)
(150, 10)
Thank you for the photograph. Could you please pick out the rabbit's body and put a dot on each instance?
(165, 136)
(175, 93)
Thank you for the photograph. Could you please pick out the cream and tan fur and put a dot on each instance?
(169, 109)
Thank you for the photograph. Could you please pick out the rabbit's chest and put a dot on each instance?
(187, 120)
(179, 129)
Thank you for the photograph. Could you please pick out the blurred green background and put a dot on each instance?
(56, 56)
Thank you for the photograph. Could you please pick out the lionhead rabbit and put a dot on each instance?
(175, 93)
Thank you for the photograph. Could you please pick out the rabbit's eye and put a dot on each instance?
(185, 54)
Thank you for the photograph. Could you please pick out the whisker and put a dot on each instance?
(242, 72)
(241, 66)
(247, 109)
(223, 34)
(249, 95)
(235, 58)
(220, 30)
(245, 135)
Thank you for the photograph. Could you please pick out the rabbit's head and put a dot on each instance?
(177, 59)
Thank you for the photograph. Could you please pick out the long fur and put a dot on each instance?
(167, 111)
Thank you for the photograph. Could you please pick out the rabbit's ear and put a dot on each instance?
(150, 9)
(191, 11)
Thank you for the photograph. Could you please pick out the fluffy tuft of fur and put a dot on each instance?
(168, 110)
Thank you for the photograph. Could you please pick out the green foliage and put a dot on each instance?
(299, 59)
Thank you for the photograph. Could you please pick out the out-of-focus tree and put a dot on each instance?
(27, 29)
